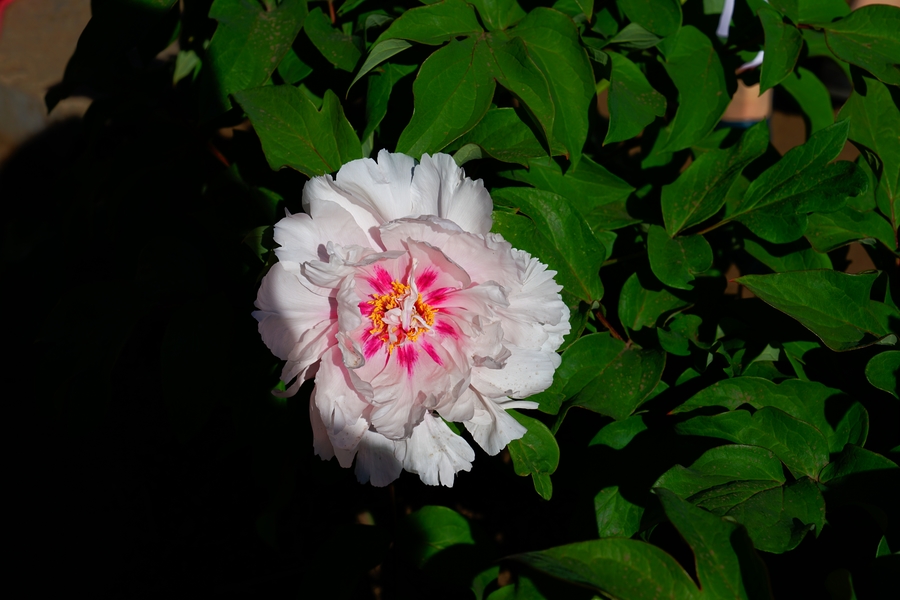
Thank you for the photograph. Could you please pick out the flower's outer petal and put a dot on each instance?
(301, 238)
(340, 405)
(376, 461)
(440, 187)
(382, 187)
(435, 453)
(288, 309)
(492, 427)
(526, 372)
(321, 442)
(321, 191)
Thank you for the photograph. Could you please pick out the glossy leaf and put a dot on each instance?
(867, 38)
(812, 11)
(293, 70)
(453, 91)
(662, 17)
(780, 258)
(827, 231)
(776, 204)
(883, 371)
(570, 247)
(501, 134)
(535, 454)
(813, 98)
(677, 261)
(434, 24)
(834, 306)
(854, 461)
(633, 103)
(636, 37)
(380, 53)
(679, 333)
(499, 14)
(432, 529)
(335, 46)
(294, 134)
(616, 516)
(694, 66)
(619, 434)
(701, 190)
(782, 48)
(379, 94)
(640, 307)
(799, 445)
(247, 46)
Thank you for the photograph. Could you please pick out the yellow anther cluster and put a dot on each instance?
(382, 303)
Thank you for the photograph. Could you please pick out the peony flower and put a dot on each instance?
(393, 293)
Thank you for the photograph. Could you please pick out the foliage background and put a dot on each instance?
(726, 439)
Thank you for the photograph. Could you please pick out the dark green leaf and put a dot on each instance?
(777, 202)
(501, 134)
(335, 46)
(294, 134)
(640, 307)
(379, 93)
(812, 11)
(868, 38)
(796, 353)
(453, 91)
(247, 46)
(618, 567)
(725, 465)
(434, 24)
(827, 231)
(535, 454)
(701, 190)
(633, 103)
(782, 48)
(291, 69)
(727, 566)
(834, 306)
(813, 98)
(796, 256)
(678, 334)
(378, 54)
(554, 45)
(695, 68)
(619, 434)
(853, 461)
(636, 37)
(574, 253)
(677, 261)
(515, 70)
(662, 17)
(883, 371)
(499, 14)
(616, 516)
(432, 529)
(799, 445)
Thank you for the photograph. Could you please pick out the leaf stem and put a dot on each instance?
(607, 324)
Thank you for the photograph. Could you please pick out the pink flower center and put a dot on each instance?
(400, 316)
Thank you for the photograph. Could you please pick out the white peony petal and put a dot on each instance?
(526, 372)
(435, 453)
(340, 405)
(321, 442)
(441, 188)
(302, 238)
(375, 460)
(492, 427)
(383, 188)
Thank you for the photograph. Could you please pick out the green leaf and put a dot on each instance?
(854, 461)
(592, 190)
(294, 134)
(618, 567)
(293, 70)
(640, 307)
(812, 11)
(838, 417)
(535, 454)
(777, 202)
(726, 563)
(434, 24)
(635, 37)
(799, 445)
(874, 117)
(662, 17)
(619, 434)
(501, 134)
(701, 190)
(431, 529)
(883, 371)
(561, 238)
(379, 94)
(335, 46)
(499, 14)
(188, 63)
(453, 91)
(834, 306)
(625, 378)
(677, 261)
(554, 45)
(827, 231)
(867, 38)
(247, 46)
(616, 516)
(678, 334)
(633, 103)
(796, 355)
(694, 66)
(796, 256)
(782, 48)
(813, 98)
(378, 54)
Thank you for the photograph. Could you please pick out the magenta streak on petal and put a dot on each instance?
(380, 280)
(435, 297)
(407, 356)
(371, 346)
(365, 308)
(432, 352)
(445, 329)
(426, 278)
